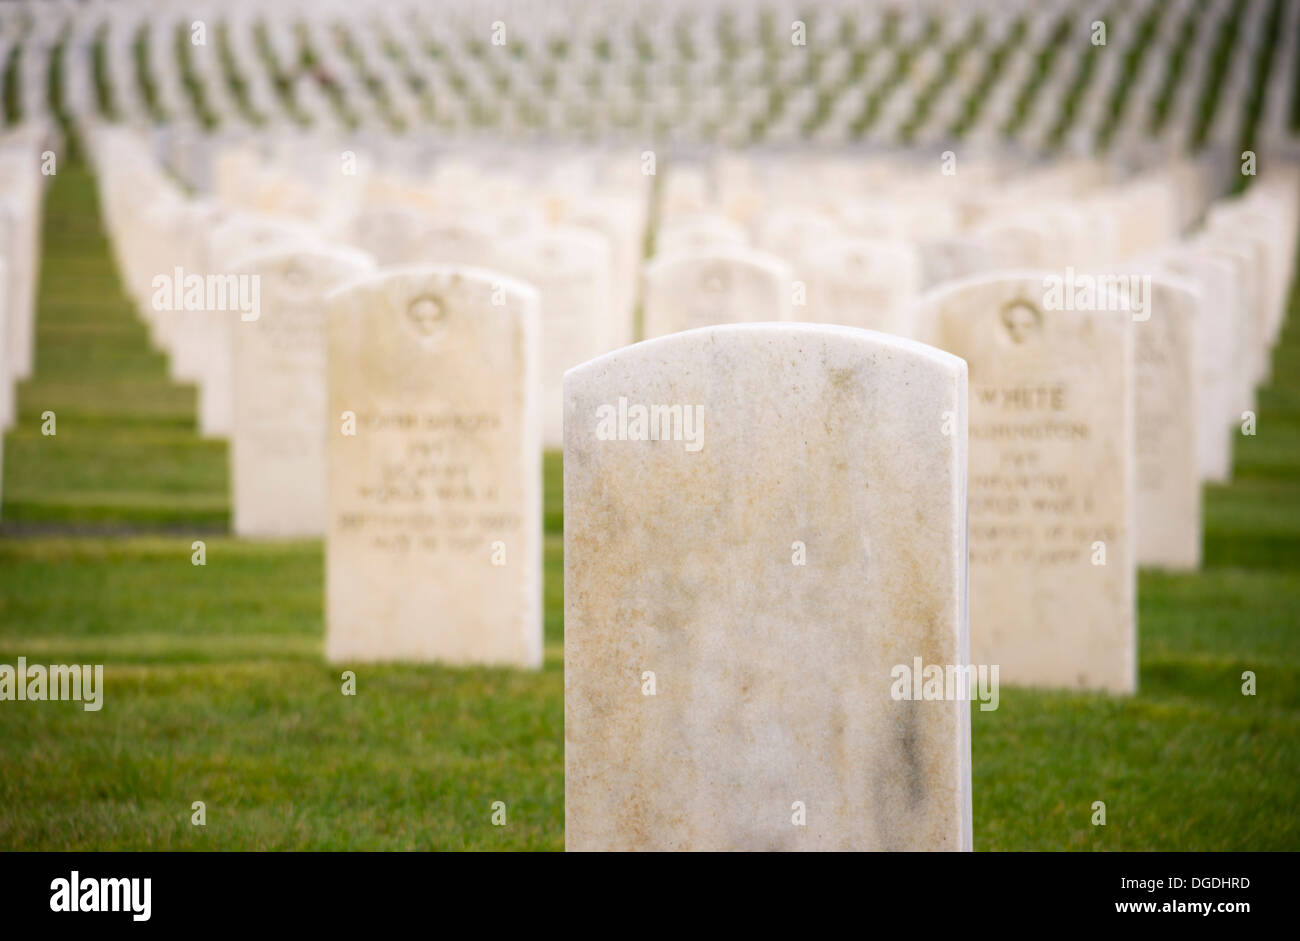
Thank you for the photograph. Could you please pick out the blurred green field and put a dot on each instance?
(216, 689)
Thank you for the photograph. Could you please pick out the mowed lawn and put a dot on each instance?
(216, 690)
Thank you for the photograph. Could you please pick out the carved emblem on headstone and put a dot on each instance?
(426, 315)
(1022, 320)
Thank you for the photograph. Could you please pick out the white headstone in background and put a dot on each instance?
(1247, 259)
(8, 410)
(433, 551)
(683, 292)
(1220, 356)
(867, 283)
(621, 221)
(693, 234)
(234, 239)
(1051, 481)
(571, 268)
(1168, 482)
(277, 442)
(951, 259)
(8, 392)
(20, 226)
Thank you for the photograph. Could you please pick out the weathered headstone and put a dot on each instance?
(716, 287)
(433, 549)
(279, 431)
(1051, 480)
(764, 524)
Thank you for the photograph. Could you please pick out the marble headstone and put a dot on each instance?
(277, 442)
(1052, 477)
(764, 523)
(433, 546)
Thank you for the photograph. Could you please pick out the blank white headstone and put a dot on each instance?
(763, 524)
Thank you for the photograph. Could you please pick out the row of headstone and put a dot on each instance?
(773, 73)
(1171, 389)
(23, 165)
(776, 710)
(576, 242)
(22, 185)
(866, 497)
(1084, 428)
(862, 242)
(1082, 458)
(705, 274)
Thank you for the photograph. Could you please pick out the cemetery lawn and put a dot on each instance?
(216, 691)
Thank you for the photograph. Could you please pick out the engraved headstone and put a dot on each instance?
(433, 547)
(1051, 480)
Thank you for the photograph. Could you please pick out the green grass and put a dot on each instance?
(216, 689)
(126, 453)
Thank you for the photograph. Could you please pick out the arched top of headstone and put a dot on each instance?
(1027, 309)
(673, 347)
(412, 307)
